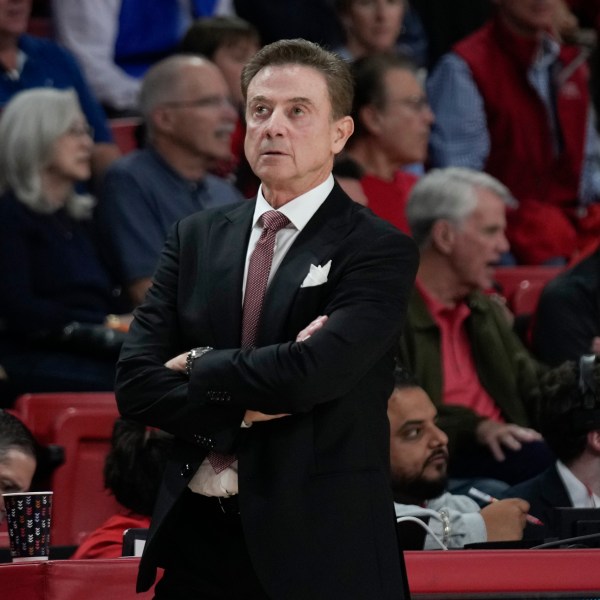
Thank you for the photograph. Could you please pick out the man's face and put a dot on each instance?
(479, 242)
(201, 118)
(528, 16)
(418, 447)
(291, 136)
(373, 25)
(14, 16)
(404, 123)
(16, 473)
(231, 60)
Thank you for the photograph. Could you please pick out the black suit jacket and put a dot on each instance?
(544, 493)
(314, 494)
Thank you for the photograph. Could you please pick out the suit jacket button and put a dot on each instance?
(186, 470)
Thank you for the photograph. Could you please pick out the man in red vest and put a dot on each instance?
(513, 101)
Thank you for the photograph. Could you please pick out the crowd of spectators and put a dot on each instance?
(475, 132)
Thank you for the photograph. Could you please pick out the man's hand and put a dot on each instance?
(494, 435)
(505, 519)
(177, 363)
(311, 328)
(253, 416)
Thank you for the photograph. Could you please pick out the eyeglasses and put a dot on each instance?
(80, 131)
(416, 103)
(206, 102)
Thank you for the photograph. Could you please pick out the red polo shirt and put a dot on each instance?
(461, 385)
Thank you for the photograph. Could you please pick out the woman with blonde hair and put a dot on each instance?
(53, 284)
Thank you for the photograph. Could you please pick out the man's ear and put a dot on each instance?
(342, 130)
(370, 119)
(593, 440)
(443, 236)
(161, 118)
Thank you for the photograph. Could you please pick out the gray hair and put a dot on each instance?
(449, 194)
(162, 84)
(29, 126)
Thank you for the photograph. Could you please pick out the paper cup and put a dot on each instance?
(28, 516)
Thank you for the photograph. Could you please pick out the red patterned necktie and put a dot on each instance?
(259, 268)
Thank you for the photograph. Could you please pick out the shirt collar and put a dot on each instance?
(440, 311)
(581, 496)
(300, 210)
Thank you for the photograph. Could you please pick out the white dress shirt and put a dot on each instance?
(299, 211)
(581, 496)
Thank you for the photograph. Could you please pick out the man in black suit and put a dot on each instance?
(294, 392)
(570, 424)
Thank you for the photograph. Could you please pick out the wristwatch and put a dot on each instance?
(193, 354)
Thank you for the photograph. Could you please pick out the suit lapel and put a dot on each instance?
(314, 245)
(227, 246)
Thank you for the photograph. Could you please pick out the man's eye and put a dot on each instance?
(297, 110)
(411, 434)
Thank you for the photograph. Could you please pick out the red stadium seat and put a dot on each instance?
(41, 411)
(80, 502)
(510, 280)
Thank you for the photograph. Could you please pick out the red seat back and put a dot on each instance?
(40, 412)
(513, 280)
(80, 502)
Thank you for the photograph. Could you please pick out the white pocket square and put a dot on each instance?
(316, 275)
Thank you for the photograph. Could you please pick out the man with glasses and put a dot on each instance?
(392, 123)
(189, 119)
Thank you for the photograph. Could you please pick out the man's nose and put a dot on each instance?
(276, 124)
(503, 244)
(440, 437)
(229, 110)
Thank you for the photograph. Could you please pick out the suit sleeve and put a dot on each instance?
(366, 310)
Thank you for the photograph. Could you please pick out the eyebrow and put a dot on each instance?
(296, 99)
(411, 423)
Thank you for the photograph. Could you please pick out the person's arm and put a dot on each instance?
(459, 136)
(455, 520)
(89, 29)
(364, 318)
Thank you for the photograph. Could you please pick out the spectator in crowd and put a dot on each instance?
(370, 26)
(567, 319)
(570, 423)
(189, 120)
(511, 100)
(117, 41)
(229, 42)
(52, 281)
(132, 473)
(419, 464)
(18, 457)
(27, 62)
(392, 120)
(458, 341)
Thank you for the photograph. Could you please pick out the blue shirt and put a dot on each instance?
(142, 198)
(48, 65)
(460, 136)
